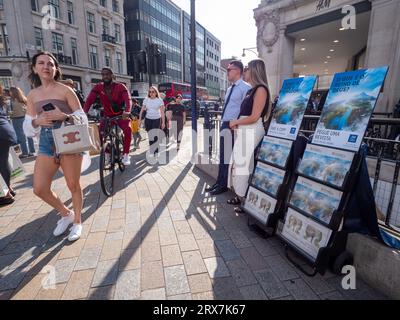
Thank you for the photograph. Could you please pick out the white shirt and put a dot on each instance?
(153, 108)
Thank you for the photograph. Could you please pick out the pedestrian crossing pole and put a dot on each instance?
(193, 75)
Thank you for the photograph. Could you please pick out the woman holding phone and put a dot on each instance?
(48, 105)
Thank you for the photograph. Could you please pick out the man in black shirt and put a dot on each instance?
(177, 113)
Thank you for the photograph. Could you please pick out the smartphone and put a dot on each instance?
(48, 107)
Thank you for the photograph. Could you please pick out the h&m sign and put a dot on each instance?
(323, 4)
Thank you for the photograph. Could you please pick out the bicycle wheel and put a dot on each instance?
(107, 168)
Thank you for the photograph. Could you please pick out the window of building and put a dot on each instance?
(119, 62)
(38, 38)
(94, 58)
(74, 51)
(115, 6)
(103, 3)
(56, 5)
(58, 42)
(107, 57)
(4, 42)
(117, 31)
(34, 5)
(70, 12)
(106, 26)
(91, 22)
(1, 5)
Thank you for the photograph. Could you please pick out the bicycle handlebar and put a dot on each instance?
(115, 118)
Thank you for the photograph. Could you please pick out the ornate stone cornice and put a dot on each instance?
(268, 25)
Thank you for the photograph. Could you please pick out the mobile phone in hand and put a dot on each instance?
(48, 107)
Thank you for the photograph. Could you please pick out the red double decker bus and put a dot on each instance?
(171, 89)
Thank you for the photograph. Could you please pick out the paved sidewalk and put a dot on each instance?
(160, 237)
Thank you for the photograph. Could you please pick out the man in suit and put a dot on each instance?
(233, 100)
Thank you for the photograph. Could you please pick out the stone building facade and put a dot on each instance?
(282, 24)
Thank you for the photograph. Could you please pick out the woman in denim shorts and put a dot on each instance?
(49, 104)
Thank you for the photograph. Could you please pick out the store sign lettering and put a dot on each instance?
(323, 4)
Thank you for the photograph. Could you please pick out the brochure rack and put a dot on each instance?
(333, 254)
(315, 208)
(267, 221)
(269, 182)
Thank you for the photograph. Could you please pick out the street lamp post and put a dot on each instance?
(251, 50)
(193, 74)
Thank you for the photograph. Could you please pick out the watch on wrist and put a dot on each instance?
(68, 118)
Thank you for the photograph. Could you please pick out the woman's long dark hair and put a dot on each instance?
(35, 80)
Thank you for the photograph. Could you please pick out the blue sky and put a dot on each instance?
(231, 21)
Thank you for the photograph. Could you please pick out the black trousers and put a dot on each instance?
(225, 147)
(154, 140)
(177, 128)
(5, 169)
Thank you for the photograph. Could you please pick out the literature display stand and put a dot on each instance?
(268, 184)
(315, 207)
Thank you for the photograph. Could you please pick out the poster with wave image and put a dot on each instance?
(291, 106)
(316, 199)
(326, 164)
(348, 108)
(268, 178)
(275, 151)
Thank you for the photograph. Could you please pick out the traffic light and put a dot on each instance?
(159, 60)
(155, 53)
(162, 64)
(140, 62)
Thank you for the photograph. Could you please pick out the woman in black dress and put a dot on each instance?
(178, 116)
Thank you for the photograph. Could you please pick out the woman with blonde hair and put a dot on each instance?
(249, 129)
(49, 104)
(18, 109)
(155, 118)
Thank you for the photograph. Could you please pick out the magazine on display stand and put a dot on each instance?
(315, 199)
(305, 233)
(327, 165)
(259, 204)
(268, 178)
(275, 151)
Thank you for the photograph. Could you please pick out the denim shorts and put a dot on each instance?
(46, 141)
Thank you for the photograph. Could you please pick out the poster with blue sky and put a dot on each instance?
(348, 108)
(292, 104)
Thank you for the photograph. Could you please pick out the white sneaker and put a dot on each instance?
(126, 160)
(63, 223)
(75, 232)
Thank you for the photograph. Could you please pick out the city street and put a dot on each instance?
(159, 237)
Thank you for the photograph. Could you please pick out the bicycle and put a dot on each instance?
(113, 141)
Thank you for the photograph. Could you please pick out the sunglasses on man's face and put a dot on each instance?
(230, 69)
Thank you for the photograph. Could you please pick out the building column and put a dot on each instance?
(383, 48)
(275, 48)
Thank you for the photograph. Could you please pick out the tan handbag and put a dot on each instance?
(95, 136)
(72, 139)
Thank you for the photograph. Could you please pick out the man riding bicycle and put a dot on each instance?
(113, 96)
